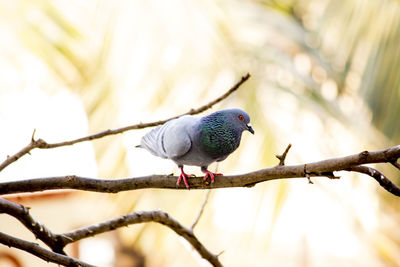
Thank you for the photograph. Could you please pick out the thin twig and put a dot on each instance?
(283, 156)
(203, 205)
(40, 252)
(309, 178)
(152, 124)
(324, 168)
(44, 145)
(142, 217)
(26, 150)
(378, 176)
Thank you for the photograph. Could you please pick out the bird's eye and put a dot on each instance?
(240, 117)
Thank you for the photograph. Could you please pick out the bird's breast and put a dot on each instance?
(218, 143)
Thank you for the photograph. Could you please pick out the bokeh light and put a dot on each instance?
(324, 78)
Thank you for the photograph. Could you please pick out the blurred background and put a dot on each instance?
(325, 78)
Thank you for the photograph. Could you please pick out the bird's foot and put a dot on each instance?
(211, 174)
(183, 176)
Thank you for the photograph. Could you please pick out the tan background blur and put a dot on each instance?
(325, 77)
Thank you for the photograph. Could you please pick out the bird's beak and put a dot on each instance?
(250, 129)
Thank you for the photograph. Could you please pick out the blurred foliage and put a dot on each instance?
(338, 60)
(78, 66)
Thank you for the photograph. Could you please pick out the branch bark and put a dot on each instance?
(57, 242)
(379, 177)
(142, 217)
(324, 168)
(40, 252)
(44, 145)
(40, 231)
(283, 156)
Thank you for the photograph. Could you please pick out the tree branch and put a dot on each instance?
(58, 242)
(40, 252)
(44, 145)
(283, 156)
(142, 217)
(32, 145)
(40, 231)
(380, 177)
(314, 169)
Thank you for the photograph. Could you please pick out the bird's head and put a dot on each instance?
(240, 119)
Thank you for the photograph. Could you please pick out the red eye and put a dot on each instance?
(241, 117)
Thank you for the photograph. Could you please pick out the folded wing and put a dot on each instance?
(171, 140)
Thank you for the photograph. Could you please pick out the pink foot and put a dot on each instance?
(211, 174)
(183, 176)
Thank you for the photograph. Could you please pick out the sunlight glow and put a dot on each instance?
(56, 117)
(97, 251)
(70, 69)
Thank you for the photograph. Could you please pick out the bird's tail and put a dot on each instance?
(153, 143)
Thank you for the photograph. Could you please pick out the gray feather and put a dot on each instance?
(190, 140)
(170, 140)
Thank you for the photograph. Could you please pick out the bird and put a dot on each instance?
(198, 141)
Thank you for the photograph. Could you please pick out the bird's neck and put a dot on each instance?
(218, 137)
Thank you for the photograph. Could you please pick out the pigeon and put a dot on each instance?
(198, 141)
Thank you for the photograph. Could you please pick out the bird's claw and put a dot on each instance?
(184, 176)
(211, 174)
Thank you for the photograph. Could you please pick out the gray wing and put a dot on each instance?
(170, 140)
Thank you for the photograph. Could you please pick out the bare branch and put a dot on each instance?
(151, 124)
(40, 252)
(58, 242)
(324, 168)
(203, 205)
(142, 217)
(10, 159)
(40, 231)
(396, 164)
(44, 145)
(283, 156)
(380, 177)
(309, 178)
